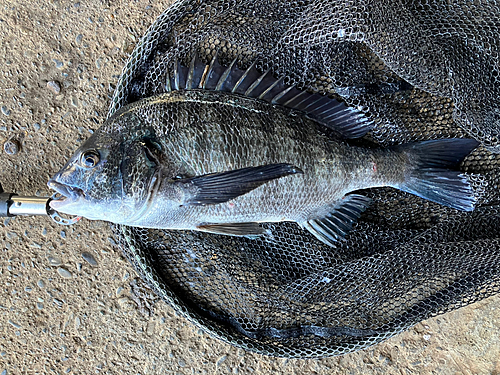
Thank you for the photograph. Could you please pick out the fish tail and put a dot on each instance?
(431, 176)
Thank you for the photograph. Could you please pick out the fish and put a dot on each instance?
(225, 149)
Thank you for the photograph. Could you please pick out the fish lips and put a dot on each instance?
(69, 194)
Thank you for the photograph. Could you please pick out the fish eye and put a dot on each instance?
(89, 159)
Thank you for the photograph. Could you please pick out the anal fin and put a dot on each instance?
(335, 225)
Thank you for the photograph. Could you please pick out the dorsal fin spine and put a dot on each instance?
(264, 93)
(168, 88)
(242, 78)
(256, 83)
(176, 75)
(189, 80)
(328, 109)
(347, 121)
(209, 71)
(316, 110)
(281, 94)
(224, 76)
(203, 79)
(289, 102)
(346, 112)
(314, 102)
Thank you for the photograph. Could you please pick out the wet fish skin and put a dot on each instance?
(150, 148)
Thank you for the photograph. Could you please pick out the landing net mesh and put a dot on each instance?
(420, 70)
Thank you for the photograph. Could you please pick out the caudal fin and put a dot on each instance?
(432, 179)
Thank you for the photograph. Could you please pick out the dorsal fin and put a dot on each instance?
(347, 121)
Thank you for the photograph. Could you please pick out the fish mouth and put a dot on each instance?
(67, 194)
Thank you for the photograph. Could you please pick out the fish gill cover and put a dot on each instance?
(419, 71)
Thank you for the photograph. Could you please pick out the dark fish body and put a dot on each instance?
(222, 162)
(216, 132)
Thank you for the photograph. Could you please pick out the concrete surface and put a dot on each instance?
(61, 312)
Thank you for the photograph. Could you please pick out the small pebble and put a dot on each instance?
(150, 328)
(39, 305)
(119, 291)
(5, 111)
(11, 147)
(79, 38)
(28, 289)
(11, 235)
(13, 324)
(89, 258)
(40, 283)
(59, 64)
(221, 360)
(98, 63)
(36, 126)
(64, 273)
(53, 261)
(54, 86)
(3, 354)
(125, 303)
(63, 234)
(4, 372)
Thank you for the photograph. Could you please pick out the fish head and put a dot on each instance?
(111, 177)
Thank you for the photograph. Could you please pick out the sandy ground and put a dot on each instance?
(60, 312)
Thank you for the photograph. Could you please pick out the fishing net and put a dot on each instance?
(420, 70)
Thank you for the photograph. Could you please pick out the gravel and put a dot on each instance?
(64, 273)
(53, 261)
(5, 111)
(11, 147)
(59, 64)
(54, 86)
(89, 258)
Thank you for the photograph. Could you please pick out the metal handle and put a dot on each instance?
(28, 206)
(12, 204)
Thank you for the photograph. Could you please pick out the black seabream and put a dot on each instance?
(225, 149)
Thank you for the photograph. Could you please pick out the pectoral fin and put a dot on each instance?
(221, 187)
(233, 229)
(339, 221)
